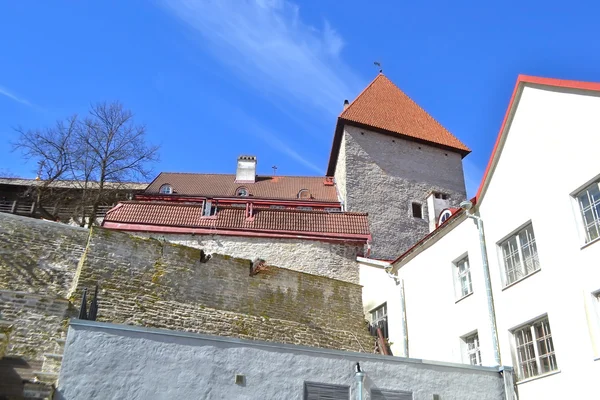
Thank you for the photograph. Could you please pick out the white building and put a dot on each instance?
(540, 206)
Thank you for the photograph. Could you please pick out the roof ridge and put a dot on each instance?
(361, 93)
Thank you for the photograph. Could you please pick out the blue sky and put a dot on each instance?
(215, 79)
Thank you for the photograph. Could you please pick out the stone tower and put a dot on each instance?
(388, 157)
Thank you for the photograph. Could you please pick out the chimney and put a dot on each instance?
(346, 104)
(436, 203)
(246, 169)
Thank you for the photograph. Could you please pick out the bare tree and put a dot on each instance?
(116, 147)
(51, 148)
(97, 154)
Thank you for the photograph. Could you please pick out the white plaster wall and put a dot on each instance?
(385, 174)
(137, 363)
(334, 260)
(378, 288)
(340, 171)
(550, 151)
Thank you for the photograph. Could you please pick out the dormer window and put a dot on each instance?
(304, 194)
(166, 189)
(242, 192)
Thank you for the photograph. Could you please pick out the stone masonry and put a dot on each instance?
(333, 260)
(153, 283)
(383, 175)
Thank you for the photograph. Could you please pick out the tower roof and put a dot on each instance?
(383, 107)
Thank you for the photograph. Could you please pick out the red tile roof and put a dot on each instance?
(293, 222)
(383, 106)
(224, 185)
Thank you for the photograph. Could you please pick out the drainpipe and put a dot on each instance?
(400, 283)
(466, 205)
(360, 377)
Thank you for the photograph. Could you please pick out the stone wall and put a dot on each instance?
(334, 260)
(130, 362)
(38, 260)
(39, 256)
(385, 175)
(154, 283)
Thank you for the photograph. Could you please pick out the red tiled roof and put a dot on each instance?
(353, 225)
(383, 106)
(224, 185)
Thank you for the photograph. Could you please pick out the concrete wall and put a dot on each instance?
(334, 260)
(385, 174)
(153, 283)
(136, 363)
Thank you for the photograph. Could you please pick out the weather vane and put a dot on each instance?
(378, 64)
(274, 169)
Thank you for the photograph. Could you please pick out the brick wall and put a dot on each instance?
(159, 284)
(334, 260)
(382, 175)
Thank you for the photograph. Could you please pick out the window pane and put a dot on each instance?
(321, 391)
(537, 334)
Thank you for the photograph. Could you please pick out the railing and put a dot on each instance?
(29, 208)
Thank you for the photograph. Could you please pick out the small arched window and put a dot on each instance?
(304, 194)
(166, 189)
(241, 191)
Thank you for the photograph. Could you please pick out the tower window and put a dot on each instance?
(442, 196)
(417, 210)
(166, 189)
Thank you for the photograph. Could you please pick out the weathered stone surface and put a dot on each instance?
(383, 175)
(39, 256)
(149, 282)
(334, 260)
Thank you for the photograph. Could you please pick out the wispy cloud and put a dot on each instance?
(12, 96)
(267, 44)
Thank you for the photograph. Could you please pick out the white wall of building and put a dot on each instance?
(550, 151)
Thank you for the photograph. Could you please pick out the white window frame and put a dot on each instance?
(209, 208)
(462, 276)
(521, 265)
(169, 189)
(587, 228)
(471, 348)
(380, 313)
(527, 339)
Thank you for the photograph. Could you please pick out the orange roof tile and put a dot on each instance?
(232, 218)
(383, 106)
(224, 185)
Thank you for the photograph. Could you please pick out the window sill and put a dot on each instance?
(464, 297)
(520, 280)
(534, 378)
(597, 359)
(590, 243)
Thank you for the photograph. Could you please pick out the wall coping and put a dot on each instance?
(76, 323)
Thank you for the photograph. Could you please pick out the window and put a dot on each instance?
(322, 391)
(534, 348)
(442, 196)
(462, 274)
(378, 394)
(241, 191)
(275, 207)
(304, 194)
(166, 189)
(519, 254)
(417, 210)
(331, 209)
(379, 320)
(472, 351)
(304, 208)
(209, 209)
(589, 204)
